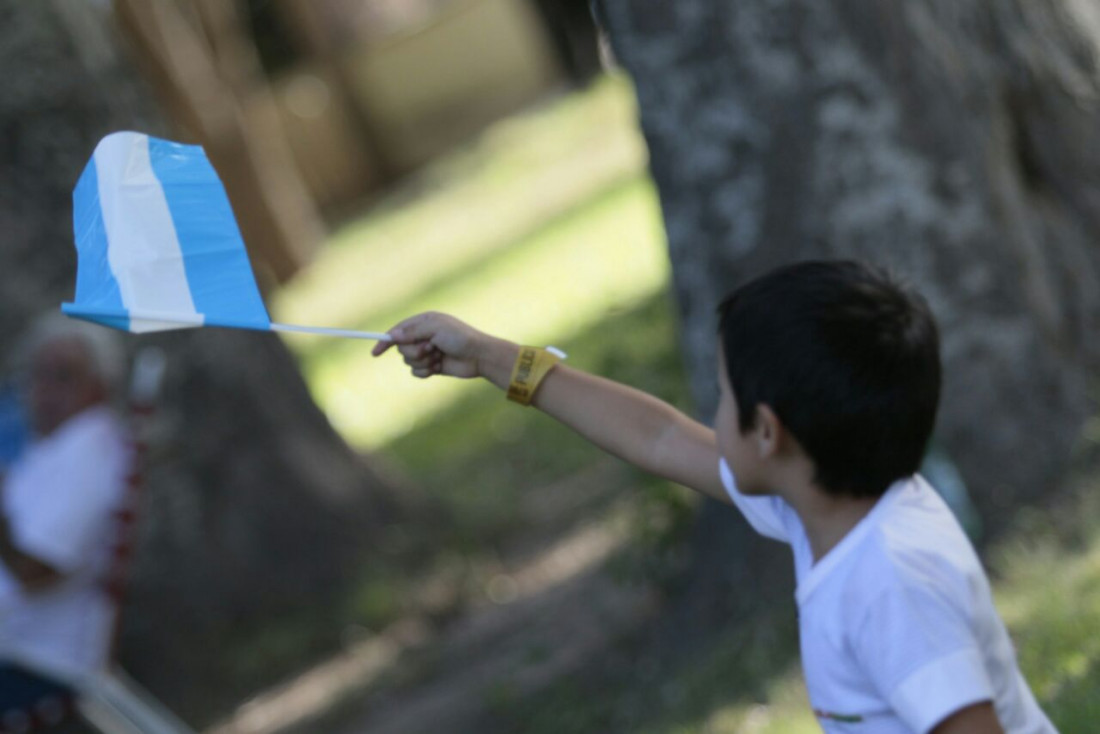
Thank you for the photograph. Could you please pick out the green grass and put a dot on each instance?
(1049, 596)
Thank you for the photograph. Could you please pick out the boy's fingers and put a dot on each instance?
(414, 339)
(399, 334)
(420, 355)
(415, 350)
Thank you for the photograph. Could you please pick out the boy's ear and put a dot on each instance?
(769, 431)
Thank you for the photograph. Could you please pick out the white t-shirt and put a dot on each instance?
(897, 624)
(60, 499)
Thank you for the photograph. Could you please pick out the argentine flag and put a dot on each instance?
(158, 246)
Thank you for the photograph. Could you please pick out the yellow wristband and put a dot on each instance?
(531, 366)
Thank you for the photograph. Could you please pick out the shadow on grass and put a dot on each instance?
(644, 685)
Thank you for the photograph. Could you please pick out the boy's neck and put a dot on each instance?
(826, 518)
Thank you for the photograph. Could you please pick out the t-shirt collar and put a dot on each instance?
(836, 555)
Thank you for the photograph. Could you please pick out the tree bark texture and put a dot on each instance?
(956, 143)
(255, 510)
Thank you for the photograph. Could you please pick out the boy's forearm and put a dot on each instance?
(633, 425)
(618, 419)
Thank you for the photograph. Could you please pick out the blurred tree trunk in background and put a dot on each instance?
(574, 36)
(257, 516)
(207, 74)
(312, 30)
(956, 143)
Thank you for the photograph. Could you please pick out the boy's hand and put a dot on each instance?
(438, 344)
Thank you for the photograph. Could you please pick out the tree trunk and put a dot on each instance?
(306, 21)
(207, 73)
(256, 512)
(956, 143)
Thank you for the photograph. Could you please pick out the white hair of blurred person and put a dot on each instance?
(65, 365)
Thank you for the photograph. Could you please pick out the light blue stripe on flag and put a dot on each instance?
(96, 285)
(219, 274)
(158, 246)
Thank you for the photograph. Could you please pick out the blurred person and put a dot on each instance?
(57, 519)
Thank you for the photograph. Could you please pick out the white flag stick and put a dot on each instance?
(185, 320)
(377, 335)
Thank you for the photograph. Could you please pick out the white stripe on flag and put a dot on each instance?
(143, 250)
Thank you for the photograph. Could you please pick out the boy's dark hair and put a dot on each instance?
(848, 360)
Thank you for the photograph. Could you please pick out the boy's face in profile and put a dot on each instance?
(739, 449)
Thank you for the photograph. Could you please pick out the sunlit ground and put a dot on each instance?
(547, 231)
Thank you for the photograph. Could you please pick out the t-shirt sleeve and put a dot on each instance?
(769, 516)
(74, 515)
(922, 653)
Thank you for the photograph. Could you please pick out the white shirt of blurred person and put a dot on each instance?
(58, 503)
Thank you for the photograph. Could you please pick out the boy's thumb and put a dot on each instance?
(416, 328)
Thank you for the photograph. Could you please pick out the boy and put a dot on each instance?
(829, 378)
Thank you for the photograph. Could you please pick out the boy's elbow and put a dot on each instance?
(659, 454)
(684, 452)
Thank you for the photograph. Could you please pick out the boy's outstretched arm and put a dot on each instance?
(626, 422)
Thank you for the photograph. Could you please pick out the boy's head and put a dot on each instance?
(848, 362)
